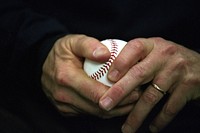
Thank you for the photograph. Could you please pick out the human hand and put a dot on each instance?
(68, 86)
(172, 67)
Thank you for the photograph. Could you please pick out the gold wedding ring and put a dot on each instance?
(155, 86)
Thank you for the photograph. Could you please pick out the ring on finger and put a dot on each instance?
(155, 86)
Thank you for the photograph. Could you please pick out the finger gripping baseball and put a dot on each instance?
(98, 71)
(104, 69)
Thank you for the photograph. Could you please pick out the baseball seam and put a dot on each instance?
(104, 69)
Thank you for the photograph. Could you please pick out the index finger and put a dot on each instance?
(136, 75)
(132, 53)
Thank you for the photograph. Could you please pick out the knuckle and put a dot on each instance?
(85, 40)
(58, 95)
(158, 39)
(118, 92)
(160, 79)
(181, 63)
(61, 78)
(150, 97)
(169, 49)
(133, 119)
(170, 111)
(77, 37)
(134, 97)
(82, 39)
(94, 96)
(123, 60)
(91, 94)
(192, 79)
(137, 45)
(138, 72)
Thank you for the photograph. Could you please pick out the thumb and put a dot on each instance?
(90, 48)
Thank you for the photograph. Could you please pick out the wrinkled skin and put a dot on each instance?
(174, 68)
(67, 85)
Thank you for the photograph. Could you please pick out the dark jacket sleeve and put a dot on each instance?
(26, 38)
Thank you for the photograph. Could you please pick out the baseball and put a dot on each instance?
(99, 71)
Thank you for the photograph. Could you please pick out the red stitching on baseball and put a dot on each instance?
(104, 69)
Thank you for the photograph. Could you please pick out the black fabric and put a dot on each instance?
(29, 28)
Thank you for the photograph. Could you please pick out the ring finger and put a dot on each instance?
(150, 97)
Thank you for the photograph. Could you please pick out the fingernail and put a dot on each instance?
(113, 75)
(127, 129)
(153, 129)
(99, 52)
(106, 103)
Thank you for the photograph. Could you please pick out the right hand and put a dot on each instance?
(67, 85)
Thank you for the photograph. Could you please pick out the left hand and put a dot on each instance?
(172, 67)
(69, 88)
